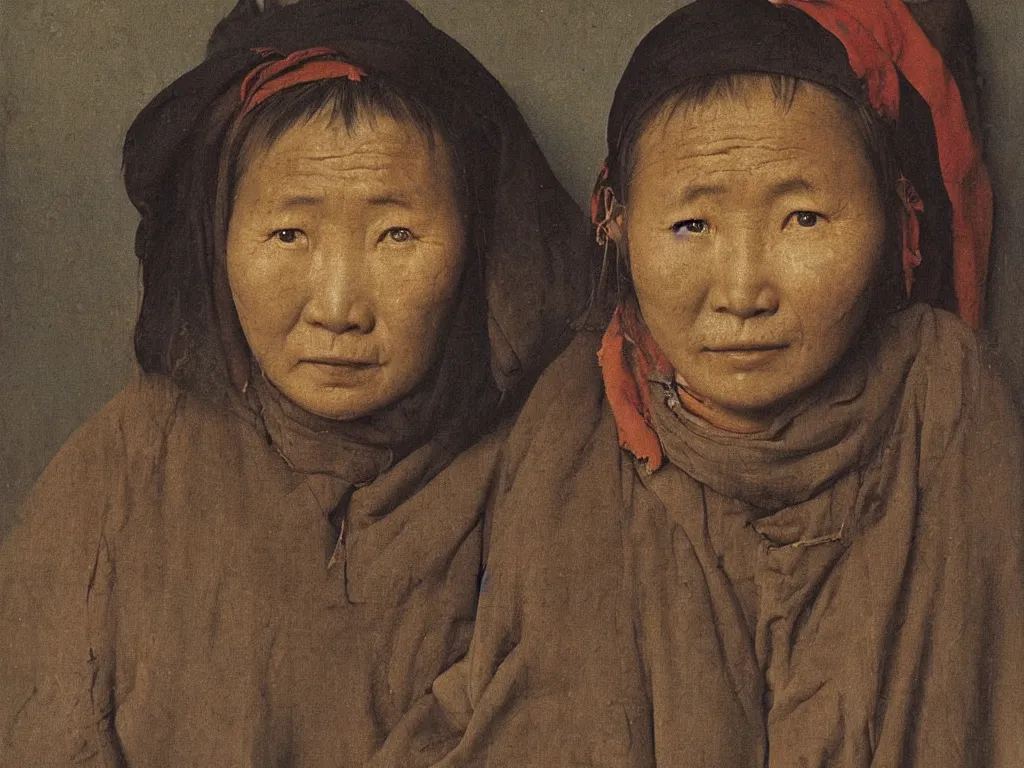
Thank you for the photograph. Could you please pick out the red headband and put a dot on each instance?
(882, 39)
(300, 67)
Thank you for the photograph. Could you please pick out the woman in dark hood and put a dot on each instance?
(773, 514)
(355, 263)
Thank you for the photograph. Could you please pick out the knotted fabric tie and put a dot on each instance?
(306, 66)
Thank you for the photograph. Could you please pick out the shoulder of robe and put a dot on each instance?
(56, 582)
(563, 410)
(957, 392)
(57, 546)
(118, 447)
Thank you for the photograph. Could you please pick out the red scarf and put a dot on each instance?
(628, 356)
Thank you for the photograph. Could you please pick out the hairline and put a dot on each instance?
(698, 92)
(344, 103)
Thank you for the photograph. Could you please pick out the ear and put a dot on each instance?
(609, 216)
(616, 224)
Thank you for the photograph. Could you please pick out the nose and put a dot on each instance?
(339, 300)
(744, 284)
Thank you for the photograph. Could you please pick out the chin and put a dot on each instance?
(751, 397)
(353, 404)
(344, 396)
(339, 398)
(329, 405)
(338, 412)
(766, 401)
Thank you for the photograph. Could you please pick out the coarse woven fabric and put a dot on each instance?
(844, 589)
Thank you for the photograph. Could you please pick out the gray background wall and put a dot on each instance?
(73, 73)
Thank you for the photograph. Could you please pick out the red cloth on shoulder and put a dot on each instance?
(628, 356)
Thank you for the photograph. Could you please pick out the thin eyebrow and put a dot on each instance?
(693, 194)
(301, 201)
(312, 201)
(389, 200)
(797, 184)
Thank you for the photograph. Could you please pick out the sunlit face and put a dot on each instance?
(344, 255)
(754, 230)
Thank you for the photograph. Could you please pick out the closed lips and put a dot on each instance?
(747, 348)
(342, 362)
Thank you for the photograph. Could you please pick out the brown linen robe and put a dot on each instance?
(845, 589)
(169, 600)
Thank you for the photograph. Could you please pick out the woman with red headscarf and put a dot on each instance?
(773, 513)
(263, 551)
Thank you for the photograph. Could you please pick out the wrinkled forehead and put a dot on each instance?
(330, 106)
(383, 151)
(748, 103)
(370, 132)
(374, 156)
(748, 129)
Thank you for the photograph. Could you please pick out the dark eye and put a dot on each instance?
(806, 219)
(690, 227)
(288, 236)
(398, 235)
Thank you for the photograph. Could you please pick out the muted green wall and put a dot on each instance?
(1001, 41)
(73, 73)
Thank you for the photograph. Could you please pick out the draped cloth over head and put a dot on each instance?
(872, 52)
(526, 277)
